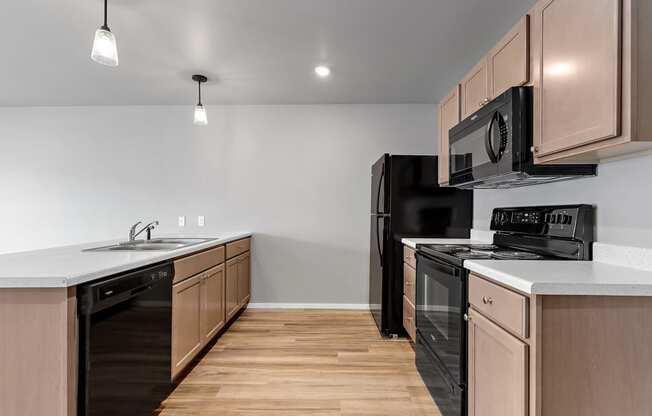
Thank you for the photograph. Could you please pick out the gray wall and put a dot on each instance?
(298, 176)
(622, 193)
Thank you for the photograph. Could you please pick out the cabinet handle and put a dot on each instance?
(487, 301)
(535, 149)
(467, 318)
(484, 102)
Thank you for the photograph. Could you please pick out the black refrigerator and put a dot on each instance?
(406, 201)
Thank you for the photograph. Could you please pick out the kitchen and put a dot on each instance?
(89, 150)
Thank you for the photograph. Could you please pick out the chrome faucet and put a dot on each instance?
(148, 228)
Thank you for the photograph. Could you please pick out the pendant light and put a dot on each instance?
(200, 112)
(105, 48)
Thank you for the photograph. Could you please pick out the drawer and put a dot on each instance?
(409, 283)
(197, 263)
(237, 247)
(409, 319)
(507, 308)
(409, 256)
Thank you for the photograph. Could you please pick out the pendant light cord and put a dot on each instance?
(199, 84)
(105, 13)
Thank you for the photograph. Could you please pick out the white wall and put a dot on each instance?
(298, 176)
(622, 193)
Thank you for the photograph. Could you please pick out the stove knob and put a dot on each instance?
(567, 219)
(504, 219)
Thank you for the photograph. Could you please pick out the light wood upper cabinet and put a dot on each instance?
(213, 308)
(475, 89)
(578, 73)
(187, 336)
(508, 61)
(498, 370)
(449, 117)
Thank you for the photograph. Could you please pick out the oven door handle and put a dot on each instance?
(441, 267)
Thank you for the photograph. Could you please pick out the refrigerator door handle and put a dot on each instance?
(380, 253)
(380, 187)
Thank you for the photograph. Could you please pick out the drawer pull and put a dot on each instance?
(487, 301)
(467, 318)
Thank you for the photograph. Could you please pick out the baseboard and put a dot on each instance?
(351, 306)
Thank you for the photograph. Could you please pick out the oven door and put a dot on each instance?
(440, 307)
(481, 146)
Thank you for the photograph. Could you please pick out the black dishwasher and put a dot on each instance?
(125, 325)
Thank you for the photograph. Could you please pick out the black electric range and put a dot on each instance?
(521, 233)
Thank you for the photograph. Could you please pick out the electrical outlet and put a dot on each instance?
(200, 221)
(182, 221)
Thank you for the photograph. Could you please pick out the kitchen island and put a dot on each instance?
(39, 328)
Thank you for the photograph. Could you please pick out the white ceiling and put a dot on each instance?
(254, 51)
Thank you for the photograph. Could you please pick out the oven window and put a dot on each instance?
(437, 308)
(469, 151)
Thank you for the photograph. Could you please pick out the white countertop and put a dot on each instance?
(545, 277)
(71, 266)
(413, 242)
(477, 237)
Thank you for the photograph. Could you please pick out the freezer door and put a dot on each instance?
(379, 184)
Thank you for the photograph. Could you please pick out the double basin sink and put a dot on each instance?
(155, 244)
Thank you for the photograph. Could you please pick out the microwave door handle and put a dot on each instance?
(488, 140)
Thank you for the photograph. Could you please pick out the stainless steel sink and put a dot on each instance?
(156, 244)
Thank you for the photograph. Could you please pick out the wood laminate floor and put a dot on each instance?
(303, 362)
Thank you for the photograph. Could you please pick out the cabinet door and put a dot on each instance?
(449, 117)
(186, 327)
(244, 282)
(231, 289)
(475, 89)
(212, 302)
(508, 60)
(578, 73)
(497, 370)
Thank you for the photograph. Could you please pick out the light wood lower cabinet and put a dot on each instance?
(213, 312)
(238, 283)
(197, 315)
(497, 372)
(585, 355)
(231, 290)
(409, 292)
(244, 279)
(187, 338)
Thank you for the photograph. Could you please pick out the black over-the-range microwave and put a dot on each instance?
(492, 147)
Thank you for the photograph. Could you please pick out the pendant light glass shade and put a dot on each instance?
(105, 48)
(200, 112)
(200, 115)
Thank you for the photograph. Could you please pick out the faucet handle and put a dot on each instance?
(132, 230)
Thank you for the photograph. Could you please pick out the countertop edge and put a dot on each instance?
(26, 282)
(563, 289)
(500, 277)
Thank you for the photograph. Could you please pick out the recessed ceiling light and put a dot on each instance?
(322, 71)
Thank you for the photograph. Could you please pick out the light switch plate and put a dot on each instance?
(182, 221)
(200, 221)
